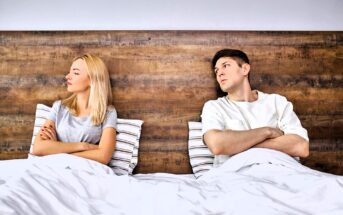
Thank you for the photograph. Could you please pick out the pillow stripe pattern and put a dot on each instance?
(201, 158)
(125, 156)
(42, 113)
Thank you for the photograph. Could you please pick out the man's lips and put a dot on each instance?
(222, 81)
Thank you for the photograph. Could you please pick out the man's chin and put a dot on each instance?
(225, 90)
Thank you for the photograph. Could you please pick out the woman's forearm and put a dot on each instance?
(96, 154)
(47, 147)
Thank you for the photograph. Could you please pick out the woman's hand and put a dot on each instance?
(48, 133)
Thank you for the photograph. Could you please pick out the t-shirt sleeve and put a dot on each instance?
(211, 118)
(111, 119)
(54, 111)
(288, 121)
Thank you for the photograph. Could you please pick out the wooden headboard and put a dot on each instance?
(164, 78)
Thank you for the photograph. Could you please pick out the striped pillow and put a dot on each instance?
(125, 156)
(200, 156)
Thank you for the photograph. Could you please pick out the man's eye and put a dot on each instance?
(226, 65)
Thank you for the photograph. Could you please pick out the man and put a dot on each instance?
(247, 118)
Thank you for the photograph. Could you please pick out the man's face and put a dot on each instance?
(228, 73)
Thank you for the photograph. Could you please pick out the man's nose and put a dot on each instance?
(220, 72)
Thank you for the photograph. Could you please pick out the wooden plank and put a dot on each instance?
(175, 162)
(330, 162)
(12, 155)
(204, 38)
(177, 80)
(264, 60)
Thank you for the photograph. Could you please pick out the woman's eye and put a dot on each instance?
(76, 73)
(226, 65)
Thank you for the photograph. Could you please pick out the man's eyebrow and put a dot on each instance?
(221, 64)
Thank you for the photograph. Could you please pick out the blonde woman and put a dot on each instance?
(83, 124)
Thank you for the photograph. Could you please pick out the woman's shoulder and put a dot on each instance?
(57, 103)
(111, 110)
(111, 117)
(111, 113)
(59, 106)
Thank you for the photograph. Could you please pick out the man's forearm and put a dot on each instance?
(230, 142)
(291, 144)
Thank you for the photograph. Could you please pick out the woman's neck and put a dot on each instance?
(82, 103)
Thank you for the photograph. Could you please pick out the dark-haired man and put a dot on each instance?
(247, 118)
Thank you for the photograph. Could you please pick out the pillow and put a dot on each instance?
(125, 156)
(201, 158)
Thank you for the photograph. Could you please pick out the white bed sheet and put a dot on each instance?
(258, 181)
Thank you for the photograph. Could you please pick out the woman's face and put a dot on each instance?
(77, 78)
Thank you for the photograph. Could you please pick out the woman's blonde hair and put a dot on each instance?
(100, 97)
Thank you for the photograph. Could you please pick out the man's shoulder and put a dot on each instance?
(272, 96)
(214, 102)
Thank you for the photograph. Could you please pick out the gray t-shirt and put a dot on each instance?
(70, 128)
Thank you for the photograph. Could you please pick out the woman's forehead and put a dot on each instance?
(79, 63)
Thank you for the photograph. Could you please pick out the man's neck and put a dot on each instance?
(244, 94)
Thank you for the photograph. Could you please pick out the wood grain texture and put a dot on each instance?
(164, 78)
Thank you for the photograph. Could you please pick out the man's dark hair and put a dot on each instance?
(237, 55)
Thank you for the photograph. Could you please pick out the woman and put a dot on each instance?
(83, 124)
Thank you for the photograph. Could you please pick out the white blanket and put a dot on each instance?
(258, 181)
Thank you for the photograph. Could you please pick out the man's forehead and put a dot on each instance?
(223, 60)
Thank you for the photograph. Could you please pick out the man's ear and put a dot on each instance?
(246, 69)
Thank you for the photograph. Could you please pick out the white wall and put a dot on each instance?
(316, 15)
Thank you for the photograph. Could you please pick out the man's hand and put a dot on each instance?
(291, 144)
(273, 132)
(230, 142)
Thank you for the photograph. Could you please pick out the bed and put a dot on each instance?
(163, 78)
(258, 181)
